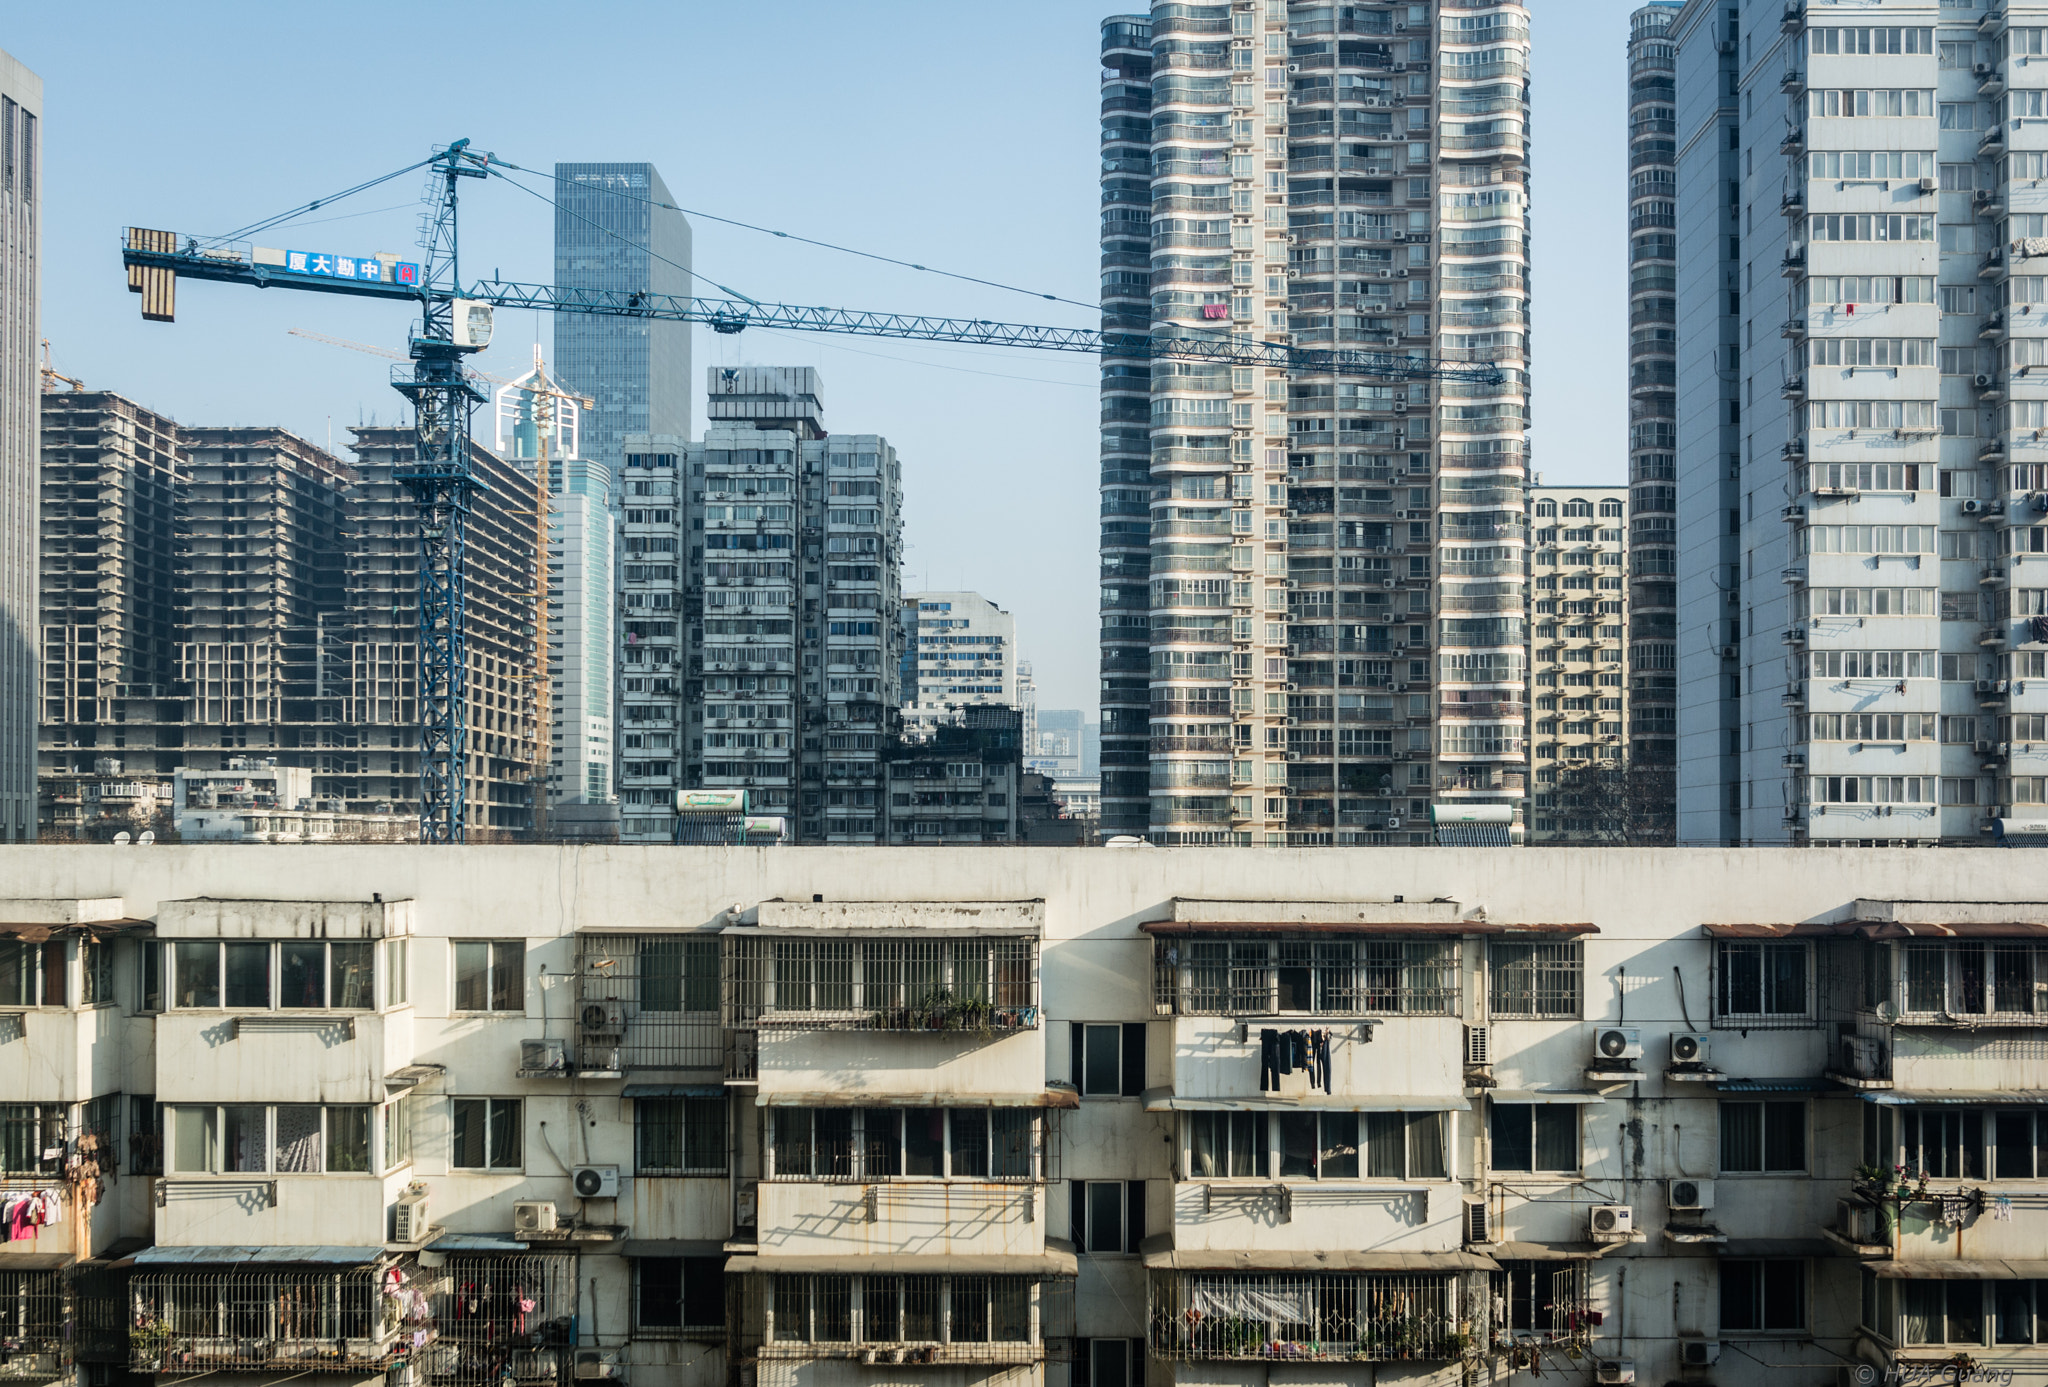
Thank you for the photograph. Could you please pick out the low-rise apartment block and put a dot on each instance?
(1074, 1116)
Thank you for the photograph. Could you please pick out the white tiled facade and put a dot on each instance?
(963, 652)
(981, 1115)
(1877, 678)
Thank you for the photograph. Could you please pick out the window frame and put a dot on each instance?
(1131, 1057)
(273, 974)
(1764, 1119)
(1267, 1155)
(173, 1116)
(503, 981)
(1124, 1239)
(44, 1125)
(1494, 1116)
(1725, 1017)
(712, 1266)
(681, 1112)
(1328, 976)
(492, 1108)
(36, 976)
(883, 1159)
(1564, 959)
(1767, 1299)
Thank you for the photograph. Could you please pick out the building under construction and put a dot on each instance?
(215, 594)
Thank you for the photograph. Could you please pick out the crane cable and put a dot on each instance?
(824, 245)
(315, 205)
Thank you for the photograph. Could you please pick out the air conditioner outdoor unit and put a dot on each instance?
(1613, 1220)
(1616, 1370)
(1618, 1043)
(1692, 1194)
(1698, 1353)
(1930, 185)
(1687, 1048)
(597, 1363)
(533, 1216)
(1982, 380)
(409, 1217)
(1972, 507)
(1731, 652)
(541, 1058)
(604, 1018)
(1476, 1049)
(1393, 822)
(596, 1181)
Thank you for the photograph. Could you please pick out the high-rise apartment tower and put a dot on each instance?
(611, 232)
(760, 606)
(21, 108)
(1865, 561)
(1653, 406)
(1314, 617)
(1578, 561)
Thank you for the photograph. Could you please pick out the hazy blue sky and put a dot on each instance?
(957, 135)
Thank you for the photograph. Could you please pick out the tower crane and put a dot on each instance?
(455, 321)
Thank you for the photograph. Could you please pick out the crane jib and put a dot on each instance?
(729, 316)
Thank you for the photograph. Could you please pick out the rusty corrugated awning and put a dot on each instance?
(92, 929)
(1955, 1269)
(1278, 1259)
(862, 1098)
(1408, 927)
(1881, 929)
(1803, 930)
(1047, 1263)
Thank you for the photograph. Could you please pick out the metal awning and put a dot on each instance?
(1548, 1252)
(412, 1076)
(1546, 1095)
(862, 1098)
(1373, 927)
(1165, 1100)
(1773, 1086)
(1049, 1263)
(476, 1242)
(92, 929)
(1282, 1260)
(1910, 1098)
(673, 1247)
(35, 1261)
(672, 1091)
(223, 1256)
(1803, 929)
(1954, 1269)
(1881, 929)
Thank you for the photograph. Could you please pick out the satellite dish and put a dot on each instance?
(148, 837)
(122, 838)
(1886, 1012)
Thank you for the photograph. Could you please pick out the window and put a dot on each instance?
(397, 1132)
(1763, 1296)
(149, 979)
(96, 972)
(1761, 980)
(1972, 978)
(1107, 1363)
(679, 1136)
(279, 1139)
(1402, 977)
(678, 1293)
(958, 1310)
(26, 1131)
(904, 1143)
(1762, 1138)
(308, 975)
(1533, 980)
(1536, 1137)
(490, 975)
(1109, 1060)
(1225, 1145)
(31, 973)
(397, 977)
(488, 1134)
(1108, 1215)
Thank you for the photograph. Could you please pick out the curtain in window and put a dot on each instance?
(298, 1139)
(1742, 1138)
(1426, 1146)
(1386, 1141)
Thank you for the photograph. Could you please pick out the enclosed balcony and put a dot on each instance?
(308, 1310)
(36, 1338)
(983, 1313)
(1323, 1311)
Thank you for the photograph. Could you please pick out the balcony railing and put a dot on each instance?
(1326, 1317)
(35, 1338)
(962, 986)
(1321, 976)
(922, 1319)
(355, 1320)
(650, 1000)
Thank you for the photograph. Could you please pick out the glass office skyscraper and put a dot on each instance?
(609, 234)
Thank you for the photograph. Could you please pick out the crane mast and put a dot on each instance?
(455, 322)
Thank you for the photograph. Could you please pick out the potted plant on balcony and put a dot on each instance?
(149, 1341)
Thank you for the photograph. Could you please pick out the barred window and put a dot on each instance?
(1528, 980)
(1972, 978)
(1212, 1315)
(26, 1131)
(1343, 977)
(1762, 980)
(679, 1136)
(678, 1294)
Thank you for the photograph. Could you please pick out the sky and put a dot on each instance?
(959, 135)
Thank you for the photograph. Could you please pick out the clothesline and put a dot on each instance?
(1283, 1052)
(22, 1216)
